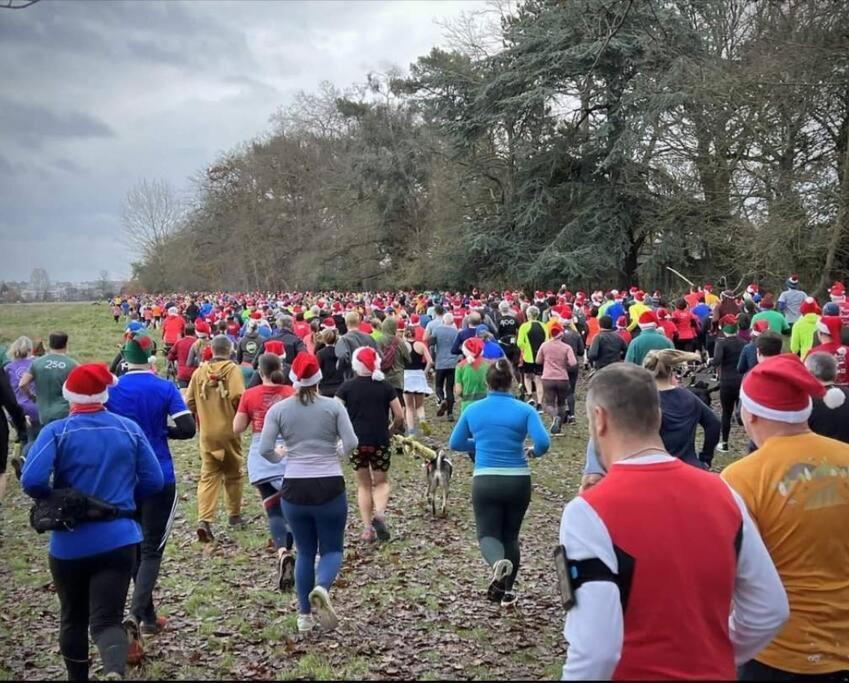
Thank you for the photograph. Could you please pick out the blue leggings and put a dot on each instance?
(318, 529)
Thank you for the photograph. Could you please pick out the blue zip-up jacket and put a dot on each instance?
(495, 429)
(103, 455)
(748, 358)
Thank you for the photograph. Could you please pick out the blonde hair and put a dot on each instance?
(21, 348)
(329, 336)
(662, 362)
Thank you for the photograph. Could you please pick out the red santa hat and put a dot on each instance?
(566, 314)
(752, 288)
(648, 321)
(366, 361)
(622, 322)
(662, 314)
(556, 330)
(830, 325)
(793, 279)
(759, 327)
(781, 388)
(276, 347)
(256, 315)
(202, 328)
(305, 371)
(639, 295)
(473, 348)
(88, 383)
(837, 291)
(809, 305)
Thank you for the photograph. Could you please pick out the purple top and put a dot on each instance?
(14, 371)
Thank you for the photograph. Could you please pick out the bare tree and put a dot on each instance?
(152, 214)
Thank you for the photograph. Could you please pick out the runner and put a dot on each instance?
(150, 402)
(648, 340)
(830, 330)
(808, 538)
(532, 335)
(828, 417)
(790, 301)
(313, 493)
(268, 477)
(557, 358)
(607, 347)
(368, 398)
(470, 377)
(416, 388)
(493, 430)
(440, 336)
(395, 356)
(19, 421)
(805, 327)
(92, 564)
(726, 357)
(179, 354)
(704, 569)
(687, 327)
(21, 360)
(213, 395)
(49, 373)
(331, 377)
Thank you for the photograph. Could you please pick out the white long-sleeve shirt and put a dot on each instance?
(594, 627)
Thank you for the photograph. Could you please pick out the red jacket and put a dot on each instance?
(180, 353)
(686, 324)
(172, 329)
(682, 574)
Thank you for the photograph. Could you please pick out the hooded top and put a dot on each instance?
(213, 395)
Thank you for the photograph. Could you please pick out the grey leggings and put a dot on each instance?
(500, 503)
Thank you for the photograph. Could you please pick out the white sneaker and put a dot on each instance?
(722, 448)
(306, 623)
(320, 603)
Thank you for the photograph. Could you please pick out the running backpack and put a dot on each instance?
(389, 354)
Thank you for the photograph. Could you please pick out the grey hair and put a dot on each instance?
(448, 319)
(823, 366)
(504, 307)
(475, 319)
(285, 322)
(21, 348)
(628, 394)
(221, 345)
(533, 312)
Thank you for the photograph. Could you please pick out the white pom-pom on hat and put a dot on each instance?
(834, 398)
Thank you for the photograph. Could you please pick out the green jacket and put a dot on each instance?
(802, 337)
(647, 340)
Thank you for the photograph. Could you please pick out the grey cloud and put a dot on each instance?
(66, 165)
(30, 123)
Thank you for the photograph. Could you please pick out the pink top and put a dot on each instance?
(556, 356)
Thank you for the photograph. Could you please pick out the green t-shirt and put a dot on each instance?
(776, 321)
(49, 373)
(473, 383)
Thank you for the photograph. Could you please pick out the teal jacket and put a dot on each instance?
(648, 340)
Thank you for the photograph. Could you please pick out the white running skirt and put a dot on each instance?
(415, 382)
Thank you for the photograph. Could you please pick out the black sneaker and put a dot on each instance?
(532, 403)
(380, 529)
(236, 522)
(509, 600)
(286, 572)
(443, 408)
(570, 419)
(205, 534)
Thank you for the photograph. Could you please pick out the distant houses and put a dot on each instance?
(94, 290)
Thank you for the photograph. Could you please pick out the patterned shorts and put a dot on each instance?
(376, 457)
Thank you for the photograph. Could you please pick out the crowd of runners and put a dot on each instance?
(665, 569)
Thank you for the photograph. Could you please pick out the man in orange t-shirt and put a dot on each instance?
(796, 487)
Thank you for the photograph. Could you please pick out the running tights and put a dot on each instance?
(500, 503)
(277, 526)
(156, 515)
(729, 394)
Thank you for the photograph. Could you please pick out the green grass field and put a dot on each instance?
(413, 608)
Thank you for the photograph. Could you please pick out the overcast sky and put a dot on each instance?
(96, 95)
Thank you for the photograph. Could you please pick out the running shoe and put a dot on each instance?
(509, 600)
(156, 627)
(380, 529)
(236, 522)
(570, 419)
(500, 571)
(532, 403)
(722, 447)
(285, 572)
(113, 676)
(306, 623)
(556, 423)
(135, 649)
(205, 534)
(443, 408)
(323, 609)
(368, 536)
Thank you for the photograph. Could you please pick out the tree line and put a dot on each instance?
(589, 141)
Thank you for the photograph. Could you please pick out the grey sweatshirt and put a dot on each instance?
(311, 434)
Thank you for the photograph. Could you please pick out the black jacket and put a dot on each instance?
(292, 346)
(608, 347)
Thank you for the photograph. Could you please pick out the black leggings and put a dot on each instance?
(445, 387)
(500, 503)
(729, 394)
(92, 591)
(156, 514)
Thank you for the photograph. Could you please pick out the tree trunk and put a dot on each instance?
(840, 228)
